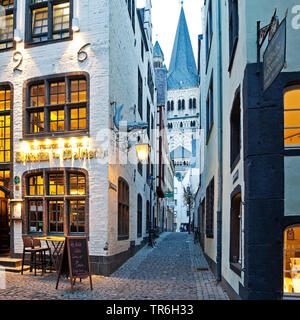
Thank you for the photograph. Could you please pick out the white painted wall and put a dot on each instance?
(112, 66)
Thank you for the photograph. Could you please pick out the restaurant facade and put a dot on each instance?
(67, 166)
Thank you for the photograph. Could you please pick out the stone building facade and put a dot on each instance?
(249, 186)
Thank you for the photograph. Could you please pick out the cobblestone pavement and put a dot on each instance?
(175, 269)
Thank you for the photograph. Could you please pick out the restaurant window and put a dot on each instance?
(236, 230)
(36, 185)
(57, 106)
(36, 214)
(4, 181)
(48, 20)
(56, 184)
(235, 127)
(292, 260)
(77, 216)
(77, 184)
(56, 216)
(7, 22)
(123, 210)
(50, 204)
(292, 117)
(5, 124)
(210, 199)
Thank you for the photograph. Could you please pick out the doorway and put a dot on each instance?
(4, 227)
(202, 224)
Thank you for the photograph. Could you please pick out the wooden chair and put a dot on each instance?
(28, 247)
(38, 245)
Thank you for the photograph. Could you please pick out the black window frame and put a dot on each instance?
(233, 29)
(123, 209)
(235, 231)
(210, 109)
(150, 81)
(139, 216)
(140, 94)
(28, 21)
(46, 198)
(210, 199)
(235, 131)
(209, 32)
(8, 12)
(68, 106)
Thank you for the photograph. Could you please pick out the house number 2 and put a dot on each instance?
(18, 57)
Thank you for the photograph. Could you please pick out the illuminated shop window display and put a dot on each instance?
(292, 260)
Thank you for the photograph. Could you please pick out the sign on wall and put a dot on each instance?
(275, 56)
(58, 149)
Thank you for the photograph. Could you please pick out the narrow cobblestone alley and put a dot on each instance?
(175, 269)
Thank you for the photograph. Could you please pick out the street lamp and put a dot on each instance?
(142, 151)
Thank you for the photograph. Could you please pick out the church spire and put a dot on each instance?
(158, 56)
(183, 72)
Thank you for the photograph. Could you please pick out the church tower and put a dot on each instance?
(183, 106)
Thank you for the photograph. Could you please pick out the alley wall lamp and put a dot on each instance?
(142, 151)
(75, 25)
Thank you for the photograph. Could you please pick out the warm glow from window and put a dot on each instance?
(292, 117)
(292, 260)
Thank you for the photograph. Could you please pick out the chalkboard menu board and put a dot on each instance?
(75, 261)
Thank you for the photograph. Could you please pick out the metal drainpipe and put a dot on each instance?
(220, 148)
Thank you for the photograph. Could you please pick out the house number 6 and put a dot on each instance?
(18, 57)
(82, 55)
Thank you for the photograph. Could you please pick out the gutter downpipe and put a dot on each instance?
(220, 148)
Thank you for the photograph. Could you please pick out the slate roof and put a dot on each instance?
(157, 52)
(183, 71)
(161, 85)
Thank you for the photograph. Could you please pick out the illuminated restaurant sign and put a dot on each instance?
(60, 149)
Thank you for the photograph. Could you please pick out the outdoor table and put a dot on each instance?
(57, 244)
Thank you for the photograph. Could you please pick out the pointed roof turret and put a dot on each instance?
(182, 71)
(157, 52)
